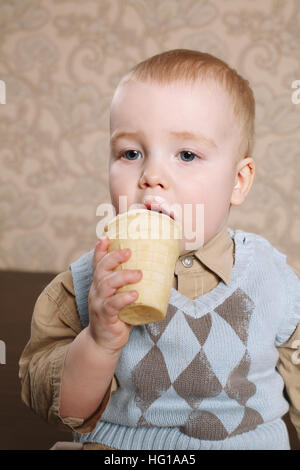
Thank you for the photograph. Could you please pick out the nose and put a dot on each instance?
(152, 177)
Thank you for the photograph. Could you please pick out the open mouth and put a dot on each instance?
(158, 208)
(161, 212)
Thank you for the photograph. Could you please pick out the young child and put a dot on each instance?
(211, 374)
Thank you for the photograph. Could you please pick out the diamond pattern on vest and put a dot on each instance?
(200, 374)
(150, 386)
(188, 387)
(238, 386)
(236, 310)
(209, 424)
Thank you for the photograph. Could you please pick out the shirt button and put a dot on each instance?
(187, 261)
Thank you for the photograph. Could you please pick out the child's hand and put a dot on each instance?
(105, 327)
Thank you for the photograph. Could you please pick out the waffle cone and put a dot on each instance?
(154, 241)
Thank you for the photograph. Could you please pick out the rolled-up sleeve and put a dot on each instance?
(289, 367)
(55, 323)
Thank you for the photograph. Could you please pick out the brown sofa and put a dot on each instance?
(20, 428)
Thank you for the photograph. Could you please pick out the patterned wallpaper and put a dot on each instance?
(61, 61)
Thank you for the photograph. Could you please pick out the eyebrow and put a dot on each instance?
(179, 134)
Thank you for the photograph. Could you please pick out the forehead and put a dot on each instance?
(155, 94)
(174, 106)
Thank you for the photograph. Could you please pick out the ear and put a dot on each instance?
(243, 180)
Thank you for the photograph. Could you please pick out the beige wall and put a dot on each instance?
(61, 60)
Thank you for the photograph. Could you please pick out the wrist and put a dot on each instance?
(99, 347)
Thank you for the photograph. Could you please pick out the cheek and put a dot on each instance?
(120, 184)
(212, 189)
(218, 184)
(209, 187)
(217, 200)
(218, 194)
(116, 184)
(118, 177)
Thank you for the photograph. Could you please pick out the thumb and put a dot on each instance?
(100, 250)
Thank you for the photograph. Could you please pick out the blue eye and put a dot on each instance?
(189, 154)
(131, 154)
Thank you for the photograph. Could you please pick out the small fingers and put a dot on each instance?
(108, 286)
(115, 258)
(112, 305)
(100, 250)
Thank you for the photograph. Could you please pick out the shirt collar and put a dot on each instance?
(217, 254)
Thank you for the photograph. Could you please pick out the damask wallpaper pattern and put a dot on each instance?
(61, 61)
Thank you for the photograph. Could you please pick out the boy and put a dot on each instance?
(206, 377)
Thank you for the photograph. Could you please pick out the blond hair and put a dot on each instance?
(192, 66)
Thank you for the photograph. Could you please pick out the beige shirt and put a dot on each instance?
(55, 324)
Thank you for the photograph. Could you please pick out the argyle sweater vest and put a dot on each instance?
(205, 377)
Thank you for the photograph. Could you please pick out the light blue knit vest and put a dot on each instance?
(205, 377)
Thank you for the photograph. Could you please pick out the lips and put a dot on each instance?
(158, 207)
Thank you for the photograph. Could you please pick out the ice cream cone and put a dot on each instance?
(154, 240)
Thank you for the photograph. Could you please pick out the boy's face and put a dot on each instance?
(178, 168)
